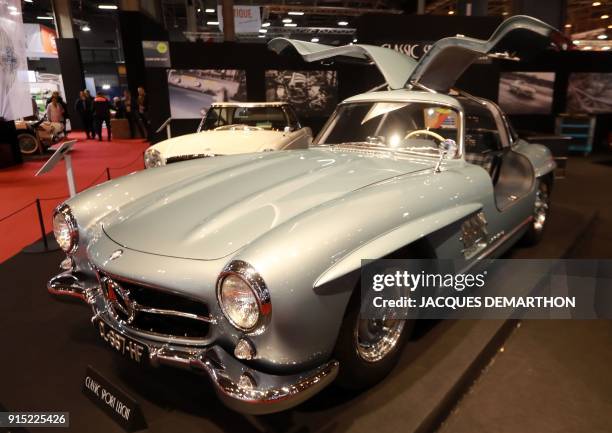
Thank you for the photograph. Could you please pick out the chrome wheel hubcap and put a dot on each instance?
(540, 211)
(376, 338)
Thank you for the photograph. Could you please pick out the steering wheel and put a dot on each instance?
(425, 132)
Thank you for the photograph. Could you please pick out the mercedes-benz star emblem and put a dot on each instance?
(120, 301)
(115, 255)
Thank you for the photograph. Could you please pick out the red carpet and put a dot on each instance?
(19, 188)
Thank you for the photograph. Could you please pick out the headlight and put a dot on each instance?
(152, 158)
(65, 229)
(243, 296)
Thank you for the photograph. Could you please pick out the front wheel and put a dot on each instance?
(541, 209)
(368, 349)
(28, 144)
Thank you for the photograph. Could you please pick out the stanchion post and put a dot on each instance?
(42, 224)
(108, 176)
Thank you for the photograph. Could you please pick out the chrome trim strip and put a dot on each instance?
(189, 157)
(163, 312)
(504, 238)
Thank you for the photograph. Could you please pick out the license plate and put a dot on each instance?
(122, 344)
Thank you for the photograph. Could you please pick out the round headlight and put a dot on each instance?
(152, 158)
(239, 302)
(65, 229)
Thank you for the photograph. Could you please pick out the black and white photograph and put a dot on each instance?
(312, 93)
(589, 93)
(526, 92)
(193, 90)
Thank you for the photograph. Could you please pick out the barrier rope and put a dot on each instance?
(106, 171)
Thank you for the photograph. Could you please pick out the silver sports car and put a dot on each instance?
(245, 268)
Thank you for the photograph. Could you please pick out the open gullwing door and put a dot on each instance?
(446, 60)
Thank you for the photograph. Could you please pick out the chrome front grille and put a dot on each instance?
(152, 310)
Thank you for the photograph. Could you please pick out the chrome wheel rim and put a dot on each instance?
(376, 338)
(541, 206)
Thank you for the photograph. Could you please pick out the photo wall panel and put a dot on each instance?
(589, 93)
(192, 91)
(526, 92)
(312, 93)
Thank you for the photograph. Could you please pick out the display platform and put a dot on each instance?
(49, 345)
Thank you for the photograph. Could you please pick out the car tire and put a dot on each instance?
(541, 210)
(28, 143)
(356, 370)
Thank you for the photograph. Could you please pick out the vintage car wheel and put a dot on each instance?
(368, 349)
(28, 143)
(541, 208)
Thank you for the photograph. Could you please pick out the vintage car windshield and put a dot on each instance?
(231, 118)
(402, 126)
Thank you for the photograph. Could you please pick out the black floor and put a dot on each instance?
(547, 370)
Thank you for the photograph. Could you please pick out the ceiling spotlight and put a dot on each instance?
(199, 10)
(602, 37)
(287, 20)
(290, 25)
(606, 48)
(451, 12)
(355, 40)
(44, 17)
(106, 86)
(504, 13)
(568, 26)
(596, 3)
(263, 30)
(314, 40)
(604, 16)
(107, 7)
(209, 11)
(343, 23)
(298, 13)
(212, 23)
(265, 25)
(85, 28)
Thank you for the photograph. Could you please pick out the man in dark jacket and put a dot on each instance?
(101, 110)
(84, 107)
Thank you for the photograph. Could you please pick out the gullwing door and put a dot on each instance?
(447, 59)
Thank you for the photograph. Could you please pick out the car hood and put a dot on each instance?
(220, 143)
(213, 212)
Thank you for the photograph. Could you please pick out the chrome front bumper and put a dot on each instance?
(239, 387)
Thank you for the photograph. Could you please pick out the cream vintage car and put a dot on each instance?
(230, 128)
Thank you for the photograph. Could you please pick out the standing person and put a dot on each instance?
(143, 110)
(101, 112)
(60, 101)
(129, 105)
(55, 111)
(84, 107)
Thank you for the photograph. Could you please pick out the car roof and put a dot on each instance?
(248, 104)
(405, 95)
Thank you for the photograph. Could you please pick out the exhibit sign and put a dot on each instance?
(156, 54)
(526, 92)
(192, 91)
(589, 93)
(120, 406)
(15, 101)
(247, 19)
(40, 41)
(312, 93)
(415, 49)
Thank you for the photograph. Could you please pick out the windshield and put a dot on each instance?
(228, 118)
(402, 126)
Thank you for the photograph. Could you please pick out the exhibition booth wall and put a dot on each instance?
(251, 72)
